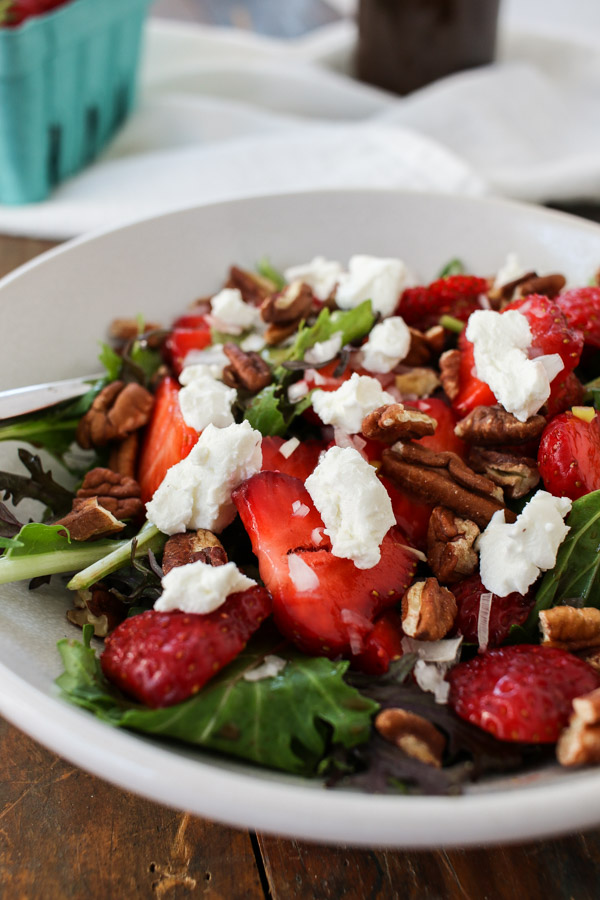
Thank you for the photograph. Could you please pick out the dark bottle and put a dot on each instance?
(406, 44)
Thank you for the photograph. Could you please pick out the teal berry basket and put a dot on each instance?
(67, 82)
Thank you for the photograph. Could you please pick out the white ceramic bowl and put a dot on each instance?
(53, 313)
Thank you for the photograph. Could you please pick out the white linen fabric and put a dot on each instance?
(224, 113)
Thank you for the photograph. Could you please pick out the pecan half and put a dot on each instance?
(88, 520)
(124, 330)
(247, 371)
(516, 475)
(412, 734)
(394, 422)
(450, 546)
(570, 628)
(98, 607)
(444, 479)
(494, 426)
(507, 291)
(548, 285)
(123, 455)
(118, 410)
(579, 743)
(193, 546)
(253, 288)
(275, 334)
(450, 373)
(419, 351)
(428, 610)
(592, 657)
(291, 304)
(417, 382)
(117, 493)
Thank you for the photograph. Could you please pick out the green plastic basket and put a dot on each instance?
(67, 81)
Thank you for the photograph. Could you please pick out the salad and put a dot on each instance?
(336, 523)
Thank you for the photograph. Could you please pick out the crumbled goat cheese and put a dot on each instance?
(320, 274)
(354, 505)
(196, 492)
(388, 344)
(203, 400)
(254, 343)
(323, 351)
(211, 359)
(376, 279)
(288, 447)
(500, 341)
(513, 555)
(200, 588)
(511, 270)
(347, 407)
(270, 667)
(435, 659)
(229, 306)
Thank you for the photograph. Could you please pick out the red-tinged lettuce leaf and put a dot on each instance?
(575, 579)
(288, 722)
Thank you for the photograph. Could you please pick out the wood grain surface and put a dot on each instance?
(66, 834)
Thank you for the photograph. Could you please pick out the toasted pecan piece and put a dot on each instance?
(444, 479)
(548, 285)
(494, 426)
(247, 371)
(395, 422)
(428, 610)
(193, 546)
(516, 475)
(117, 411)
(417, 382)
(412, 734)
(98, 607)
(291, 304)
(253, 287)
(450, 373)
(450, 546)
(570, 628)
(89, 520)
(579, 743)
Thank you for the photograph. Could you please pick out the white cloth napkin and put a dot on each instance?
(224, 114)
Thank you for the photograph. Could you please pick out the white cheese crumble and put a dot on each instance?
(211, 359)
(323, 351)
(500, 342)
(347, 407)
(320, 274)
(270, 667)
(511, 556)
(200, 588)
(229, 307)
(254, 343)
(203, 400)
(435, 659)
(379, 280)
(196, 492)
(388, 344)
(288, 447)
(354, 505)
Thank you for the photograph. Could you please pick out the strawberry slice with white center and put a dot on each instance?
(323, 603)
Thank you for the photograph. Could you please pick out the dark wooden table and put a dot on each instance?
(65, 834)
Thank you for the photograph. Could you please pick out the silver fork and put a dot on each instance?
(20, 401)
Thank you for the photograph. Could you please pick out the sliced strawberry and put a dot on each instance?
(581, 307)
(565, 393)
(162, 658)
(324, 604)
(569, 456)
(412, 515)
(382, 646)
(190, 332)
(457, 296)
(472, 392)
(520, 693)
(504, 613)
(300, 463)
(167, 439)
(551, 332)
(444, 437)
